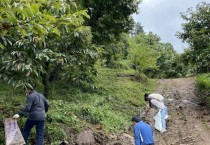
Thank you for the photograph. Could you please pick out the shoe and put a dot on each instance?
(163, 130)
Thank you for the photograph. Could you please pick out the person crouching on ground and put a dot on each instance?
(159, 106)
(36, 107)
(158, 97)
(154, 96)
(143, 132)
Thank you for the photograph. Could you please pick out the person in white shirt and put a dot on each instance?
(157, 101)
(154, 96)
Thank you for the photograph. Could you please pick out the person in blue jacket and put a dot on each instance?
(36, 108)
(143, 132)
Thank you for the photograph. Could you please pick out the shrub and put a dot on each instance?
(203, 86)
(91, 114)
(203, 82)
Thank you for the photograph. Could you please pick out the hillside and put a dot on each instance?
(102, 115)
(106, 109)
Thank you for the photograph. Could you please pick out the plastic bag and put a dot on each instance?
(158, 123)
(13, 135)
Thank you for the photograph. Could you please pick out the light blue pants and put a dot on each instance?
(164, 112)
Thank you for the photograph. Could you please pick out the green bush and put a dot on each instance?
(91, 114)
(1, 137)
(203, 86)
(55, 133)
(115, 121)
(203, 82)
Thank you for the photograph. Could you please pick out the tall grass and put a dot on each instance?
(203, 86)
(203, 81)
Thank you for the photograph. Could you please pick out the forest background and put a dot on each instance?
(91, 61)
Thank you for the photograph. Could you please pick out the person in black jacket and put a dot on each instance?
(36, 108)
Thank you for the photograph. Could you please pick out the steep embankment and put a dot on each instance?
(189, 122)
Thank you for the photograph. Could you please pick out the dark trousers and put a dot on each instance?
(39, 130)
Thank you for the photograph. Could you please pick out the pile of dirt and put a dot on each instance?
(89, 137)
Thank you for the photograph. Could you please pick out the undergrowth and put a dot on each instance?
(111, 104)
(203, 86)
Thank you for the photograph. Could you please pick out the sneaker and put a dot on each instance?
(163, 130)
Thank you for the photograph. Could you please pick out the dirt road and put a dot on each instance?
(189, 122)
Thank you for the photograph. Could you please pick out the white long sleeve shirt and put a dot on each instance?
(157, 104)
(156, 97)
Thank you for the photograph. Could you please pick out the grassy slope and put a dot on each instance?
(111, 105)
(203, 86)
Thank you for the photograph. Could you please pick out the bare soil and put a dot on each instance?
(189, 121)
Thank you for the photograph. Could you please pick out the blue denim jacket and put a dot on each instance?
(143, 133)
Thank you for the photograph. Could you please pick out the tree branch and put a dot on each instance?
(11, 26)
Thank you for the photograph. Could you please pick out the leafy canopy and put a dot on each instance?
(26, 30)
(108, 18)
(141, 55)
(196, 32)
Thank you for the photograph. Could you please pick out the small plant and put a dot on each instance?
(91, 114)
(55, 133)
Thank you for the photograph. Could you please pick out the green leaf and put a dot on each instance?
(35, 8)
(2, 46)
(41, 30)
(22, 31)
(10, 15)
(56, 31)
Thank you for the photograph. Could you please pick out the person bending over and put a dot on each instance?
(143, 132)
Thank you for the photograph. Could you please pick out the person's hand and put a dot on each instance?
(45, 115)
(16, 116)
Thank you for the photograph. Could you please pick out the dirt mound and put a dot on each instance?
(99, 138)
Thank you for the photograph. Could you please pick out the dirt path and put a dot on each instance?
(189, 123)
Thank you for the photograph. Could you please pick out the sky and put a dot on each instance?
(162, 17)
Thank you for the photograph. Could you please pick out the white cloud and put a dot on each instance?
(162, 17)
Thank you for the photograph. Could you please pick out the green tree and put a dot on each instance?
(116, 51)
(138, 28)
(169, 62)
(166, 59)
(108, 18)
(196, 32)
(141, 56)
(41, 37)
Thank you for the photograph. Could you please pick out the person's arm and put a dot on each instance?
(137, 135)
(27, 108)
(149, 105)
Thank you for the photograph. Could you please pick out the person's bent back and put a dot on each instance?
(143, 132)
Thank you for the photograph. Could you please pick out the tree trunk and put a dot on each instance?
(45, 80)
(55, 72)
